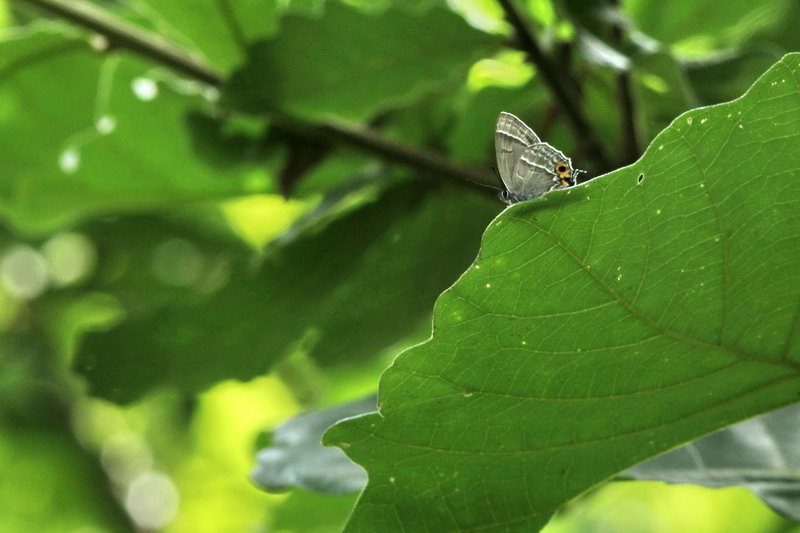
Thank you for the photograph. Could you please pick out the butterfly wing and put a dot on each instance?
(535, 172)
(511, 138)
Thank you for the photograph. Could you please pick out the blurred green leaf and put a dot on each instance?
(307, 512)
(39, 455)
(197, 312)
(392, 285)
(349, 64)
(468, 139)
(599, 327)
(113, 136)
(703, 22)
(663, 91)
(219, 30)
(726, 76)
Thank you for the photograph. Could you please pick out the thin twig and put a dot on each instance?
(556, 82)
(368, 139)
(123, 35)
(631, 139)
(631, 145)
(129, 37)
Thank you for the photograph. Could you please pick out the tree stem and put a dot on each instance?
(559, 86)
(631, 139)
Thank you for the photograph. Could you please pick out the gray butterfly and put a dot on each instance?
(528, 167)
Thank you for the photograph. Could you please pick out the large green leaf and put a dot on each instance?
(106, 137)
(600, 326)
(350, 64)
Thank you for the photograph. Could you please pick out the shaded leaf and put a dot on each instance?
(350, 64)
(725, 76)
(197, 311)
(296, 457)
(599, 327)
(704, 20)
(760, 454)
(663, 91)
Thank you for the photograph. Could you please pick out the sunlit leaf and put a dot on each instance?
(599, 327)
(219, 30)
(703, 22)
(113, 137)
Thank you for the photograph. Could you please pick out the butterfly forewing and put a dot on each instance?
(511, 138)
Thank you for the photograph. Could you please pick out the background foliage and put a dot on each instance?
(219, 213)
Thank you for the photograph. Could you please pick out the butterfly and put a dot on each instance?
(528, 167)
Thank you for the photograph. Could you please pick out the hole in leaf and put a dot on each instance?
(640, 178)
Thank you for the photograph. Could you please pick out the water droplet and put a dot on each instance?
(70, 257)
(23, 272)
(145, 89)
(105, 124)
(69, 160)
(211, 94)
(152, 500)
(703, 121)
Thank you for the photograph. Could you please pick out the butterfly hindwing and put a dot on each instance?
(534, 173)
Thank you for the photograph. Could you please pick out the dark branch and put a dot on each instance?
(368, 140)
(631, 139)
(559, 86)
(122, 35)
